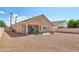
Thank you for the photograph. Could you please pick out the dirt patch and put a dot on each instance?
(43, 43)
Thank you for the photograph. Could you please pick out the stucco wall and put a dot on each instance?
(1, 32)
(68, 30)
(17, 28)
(45, 22)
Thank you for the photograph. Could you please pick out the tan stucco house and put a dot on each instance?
(38, 24)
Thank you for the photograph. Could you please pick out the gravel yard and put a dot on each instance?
(42, 43)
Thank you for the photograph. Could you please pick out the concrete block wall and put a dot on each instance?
(1, 32)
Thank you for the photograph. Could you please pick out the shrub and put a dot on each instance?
(2, 24)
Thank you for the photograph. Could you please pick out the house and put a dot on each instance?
(38, 24)
(60, 24)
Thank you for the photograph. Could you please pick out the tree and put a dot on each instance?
(71, 23)
(2, 24)
(77, 23)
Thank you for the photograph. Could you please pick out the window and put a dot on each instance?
(45, 28)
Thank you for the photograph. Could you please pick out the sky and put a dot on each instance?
(52, 13)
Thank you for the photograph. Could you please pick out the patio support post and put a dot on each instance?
(26, 29)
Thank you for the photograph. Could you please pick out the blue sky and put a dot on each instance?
(53, 13)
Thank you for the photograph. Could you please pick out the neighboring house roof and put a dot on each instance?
(56, 23)
(35, 18)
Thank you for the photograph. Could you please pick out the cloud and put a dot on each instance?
(2, 12)
(13, 18)
(21, 18)
(14, 15)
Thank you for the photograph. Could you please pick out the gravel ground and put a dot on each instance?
(57, 42)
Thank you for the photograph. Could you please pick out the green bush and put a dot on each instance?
(71, 23)
(2, 24)
(77, 23)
